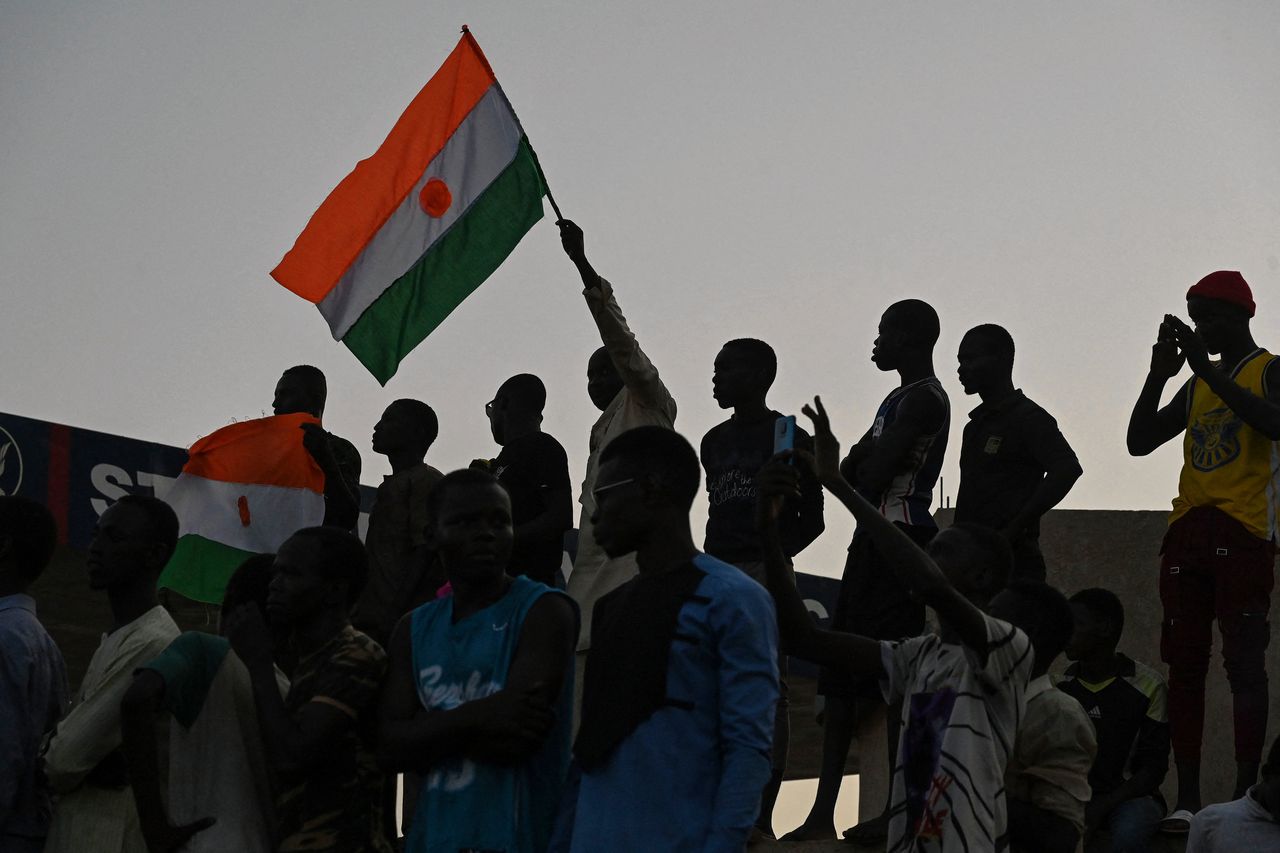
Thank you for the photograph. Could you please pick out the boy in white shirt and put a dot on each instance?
(960, 692)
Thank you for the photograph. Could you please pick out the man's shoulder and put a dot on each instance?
(343, 446)
(425, 474)
(726, 582)
(355, 649)
(1058, 704)
(22, 633)
(717, 433)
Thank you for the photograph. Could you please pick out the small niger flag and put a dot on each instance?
(244, 490)
(415, 228)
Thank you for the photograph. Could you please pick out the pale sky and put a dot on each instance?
(764, 169)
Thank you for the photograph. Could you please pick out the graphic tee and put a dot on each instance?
(960, 712)
(471, 805)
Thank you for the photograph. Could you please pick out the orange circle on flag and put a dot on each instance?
(435, 197)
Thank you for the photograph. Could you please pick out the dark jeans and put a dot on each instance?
(1213, 568)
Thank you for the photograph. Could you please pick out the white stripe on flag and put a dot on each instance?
(212, 509)
(482, 146)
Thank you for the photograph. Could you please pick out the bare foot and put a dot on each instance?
(811, 832)
(869, 832)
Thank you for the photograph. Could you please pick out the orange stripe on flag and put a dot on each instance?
(264, 451)
(361, 203)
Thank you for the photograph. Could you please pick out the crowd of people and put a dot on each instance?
(444, 664)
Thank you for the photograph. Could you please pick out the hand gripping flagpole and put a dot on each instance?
(466, 32)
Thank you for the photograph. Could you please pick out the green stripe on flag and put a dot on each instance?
(200, 568)
(456, 265)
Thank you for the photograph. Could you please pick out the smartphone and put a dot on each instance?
(784, 433)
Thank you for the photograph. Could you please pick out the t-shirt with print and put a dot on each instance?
(337, 807)
(960, 714)
(530, 468)
(733, 453)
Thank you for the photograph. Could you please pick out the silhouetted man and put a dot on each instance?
(303, 389)
(33, 678)
(894, 467)
(733, 453)
(1014, 463)
(402, 568)
(1219, 554)
(534, 470)
(131, 544)
(478, 698)
(624, 385)
(959, 693)
(319, 738)
(1128, 704)
(682, 677)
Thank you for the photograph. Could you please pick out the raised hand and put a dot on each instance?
(775, 483)
(1188, 344)
(826, 447)
(316, 440)
(573, 241)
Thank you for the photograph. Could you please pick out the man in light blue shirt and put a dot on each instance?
(33, 678)
(682, 677)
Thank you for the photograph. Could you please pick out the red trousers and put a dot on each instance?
(1213, 568)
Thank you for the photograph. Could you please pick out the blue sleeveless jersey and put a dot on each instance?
(467, 804)
(909, 495)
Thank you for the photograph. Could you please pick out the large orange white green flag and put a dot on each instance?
(417, 227)
(244, 490)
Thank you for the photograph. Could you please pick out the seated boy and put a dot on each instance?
(1047, 780)
(961, 692)
(1127, 702)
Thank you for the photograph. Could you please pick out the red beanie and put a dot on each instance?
(1226, 286)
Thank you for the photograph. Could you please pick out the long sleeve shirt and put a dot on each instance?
(33, 696)
(91, 731)
(644, 400)
(690, 776)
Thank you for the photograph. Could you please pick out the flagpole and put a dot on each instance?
(545, 186)
(466, 32)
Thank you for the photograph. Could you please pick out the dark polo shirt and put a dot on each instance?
(1006, 450)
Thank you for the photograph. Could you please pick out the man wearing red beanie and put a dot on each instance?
(1218, 556)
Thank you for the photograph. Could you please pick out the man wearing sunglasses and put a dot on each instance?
(682, 677)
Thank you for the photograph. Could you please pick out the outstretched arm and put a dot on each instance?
(776, 482)
(505, 727)
(634, 368)
(916, 568)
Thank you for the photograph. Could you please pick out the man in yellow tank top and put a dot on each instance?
(1218, 556)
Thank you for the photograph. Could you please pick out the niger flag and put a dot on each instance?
(417, 227)
(244, 490)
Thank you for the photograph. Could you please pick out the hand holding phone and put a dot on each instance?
(784, 434)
